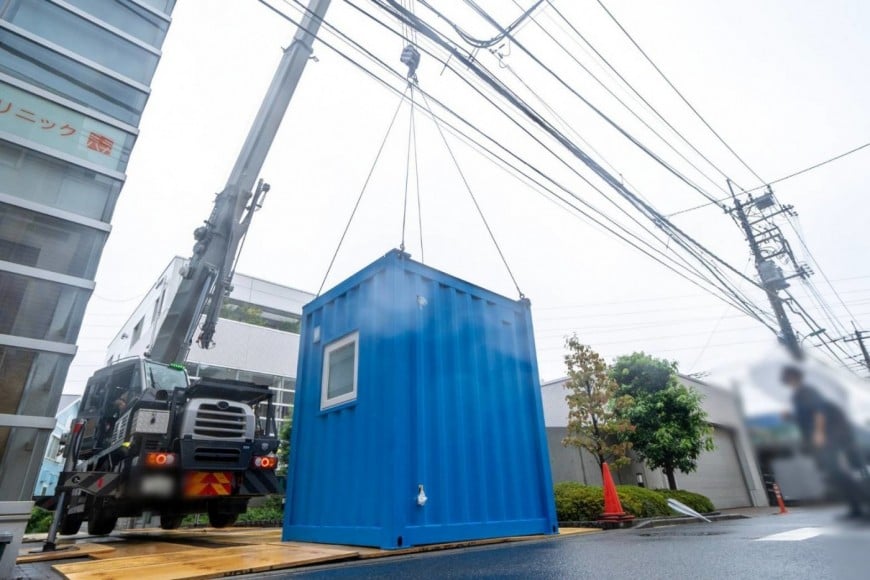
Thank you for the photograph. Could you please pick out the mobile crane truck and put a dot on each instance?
(147, 437)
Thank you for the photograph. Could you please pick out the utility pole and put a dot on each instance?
(859, 338)
(767, 243)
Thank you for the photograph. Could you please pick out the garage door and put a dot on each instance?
(719, 476)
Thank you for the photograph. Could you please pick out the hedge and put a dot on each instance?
(576, 502)
(40, 521)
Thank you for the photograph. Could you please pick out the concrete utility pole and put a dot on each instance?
(767, 242)
(859, 338)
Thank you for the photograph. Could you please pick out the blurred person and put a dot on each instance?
(829, 435)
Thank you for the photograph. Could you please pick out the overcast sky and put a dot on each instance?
(784, 82)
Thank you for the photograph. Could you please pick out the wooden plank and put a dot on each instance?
(147, 560)
(575, 531)
(217, 563)
(144, 548)
(74, 551)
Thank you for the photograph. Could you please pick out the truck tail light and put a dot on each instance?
(160, 459)
(265, 462)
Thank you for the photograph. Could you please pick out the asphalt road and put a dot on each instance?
(810, 544)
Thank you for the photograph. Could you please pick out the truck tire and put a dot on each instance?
(221, 520)
(170, 521)
(70, 524)
(101, 520)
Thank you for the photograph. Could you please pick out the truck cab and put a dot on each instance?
(152, 441)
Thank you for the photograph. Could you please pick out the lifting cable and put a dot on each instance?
(412, 145)
(362, 192)
(473, 198)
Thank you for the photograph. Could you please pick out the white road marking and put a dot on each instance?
(796, 535)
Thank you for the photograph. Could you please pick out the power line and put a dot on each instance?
(744, 308)
(453, 112)
(684, 99)
(639, 96)
(778, 180)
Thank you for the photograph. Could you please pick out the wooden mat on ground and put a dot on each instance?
(211, 537)
(129, 548)
(74, 551)
(205, 562)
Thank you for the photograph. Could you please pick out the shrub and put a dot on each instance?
(642, 502)
(39, 522)
(576, 502)
(696, 501)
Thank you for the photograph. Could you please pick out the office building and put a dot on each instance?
(74, 80)
(257, 338)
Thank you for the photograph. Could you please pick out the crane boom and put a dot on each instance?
(208, 275)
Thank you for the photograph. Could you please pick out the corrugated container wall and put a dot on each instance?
(418, 414)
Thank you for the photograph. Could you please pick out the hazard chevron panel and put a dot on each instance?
(208, 483)
(257, 482)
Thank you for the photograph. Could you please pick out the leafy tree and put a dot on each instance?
(594, 419)
(671, 429)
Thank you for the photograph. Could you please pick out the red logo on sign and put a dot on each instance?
(100, 143)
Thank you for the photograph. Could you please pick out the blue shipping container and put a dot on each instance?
(418, 414)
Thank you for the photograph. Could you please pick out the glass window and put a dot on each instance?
(340, 371)
(248, 313)
(164, 6)
(84, 38)
(40, 309)
(44, 180)
(50, 70)
(42, 373)
(18, 446)
(50, 243)
(160, 376)
(127, 16)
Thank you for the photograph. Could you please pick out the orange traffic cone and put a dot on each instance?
(613, 511)
(776, 492)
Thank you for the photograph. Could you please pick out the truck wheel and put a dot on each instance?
(101, 520)
(170, 522)
(70, 524)
(221, 520)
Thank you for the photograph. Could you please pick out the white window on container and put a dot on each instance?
(340, 359)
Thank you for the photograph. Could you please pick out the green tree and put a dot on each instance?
(671, 429)
(595, 422)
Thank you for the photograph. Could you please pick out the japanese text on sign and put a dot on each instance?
(42, 121)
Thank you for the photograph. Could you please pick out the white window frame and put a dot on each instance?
(325, 401)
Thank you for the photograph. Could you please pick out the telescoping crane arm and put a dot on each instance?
(208, 275)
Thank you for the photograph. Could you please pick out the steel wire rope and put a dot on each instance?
(474, 199)
(491, 155)
(362, 191)
(370, 55)
(658, 219)
(408, 164)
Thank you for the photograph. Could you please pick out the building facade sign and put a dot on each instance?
(41, 121)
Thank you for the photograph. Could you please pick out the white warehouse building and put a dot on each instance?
(257, 337)
(729, 475)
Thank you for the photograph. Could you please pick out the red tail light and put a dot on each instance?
(265, 462)
(160, 459)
